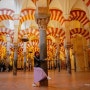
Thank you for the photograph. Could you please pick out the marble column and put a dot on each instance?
(43, 44)
(42, 23)
(74, 57)
(86, 59)
(8, 52)
(58, 52)
(67, 45)
(68, 61)
(25, 39)
(15, 50)
(25, 56)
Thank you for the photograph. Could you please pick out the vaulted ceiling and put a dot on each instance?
(77, 12)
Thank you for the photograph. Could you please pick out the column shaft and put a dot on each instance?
(8, 53)
(15, 50)
(42, 22)
(67, 46)
(43, 44)
(25, 57)
(68, 61)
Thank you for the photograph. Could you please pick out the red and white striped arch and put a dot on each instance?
(50, 45)
(29, 32)
(87, 2)
(34, 42)
(27, 14)
(3, 43)
(56, 15)
(20, 51)
(54, 45)
(79, 15)
(81, 31)
(6, 14)
(7, 31)
(49, 42)
(56, 31)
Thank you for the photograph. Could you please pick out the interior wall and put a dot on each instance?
(79, 44)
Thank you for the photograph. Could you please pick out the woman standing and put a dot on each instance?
(39, 73)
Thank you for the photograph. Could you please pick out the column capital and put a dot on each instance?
(68, 45)
(42, 21)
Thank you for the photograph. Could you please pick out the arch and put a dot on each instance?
(50, 38)
(7, 31)
(87, 2)
(53, 44)
(27, 14)
(56, 31)
(79, 15)
(33, 43)
(57, 15)
(81, 31)
(29, 32)
(6, 14)
(3, 43)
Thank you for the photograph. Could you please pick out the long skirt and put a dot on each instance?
(39, 74)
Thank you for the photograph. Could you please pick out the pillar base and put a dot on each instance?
(14, 71)
(24, 67)
(44, 82)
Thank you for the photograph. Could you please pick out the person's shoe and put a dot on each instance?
(34, 85)
(48, 78)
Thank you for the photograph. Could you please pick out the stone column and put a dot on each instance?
(8, 52)
(58, 52)
(68, 61)
(74, 56)
(15, 50)
(16, 27)
(42, 23)
(43, 44)
(25, 39)
(86, 59)
(25, 58)
(67, 46)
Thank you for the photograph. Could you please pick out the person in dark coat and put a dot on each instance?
(39, 73)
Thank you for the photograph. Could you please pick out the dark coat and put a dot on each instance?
(37, 61)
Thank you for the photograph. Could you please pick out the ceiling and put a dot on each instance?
(22, 13)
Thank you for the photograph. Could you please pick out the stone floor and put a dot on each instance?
(60, 81)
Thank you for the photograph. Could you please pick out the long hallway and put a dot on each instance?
(60, 81)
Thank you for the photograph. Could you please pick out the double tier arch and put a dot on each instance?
(80, 16)
(81, 31)
(6, 14)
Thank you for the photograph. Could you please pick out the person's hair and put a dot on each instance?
(36, 53)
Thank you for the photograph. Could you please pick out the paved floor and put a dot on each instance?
(60, 81)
